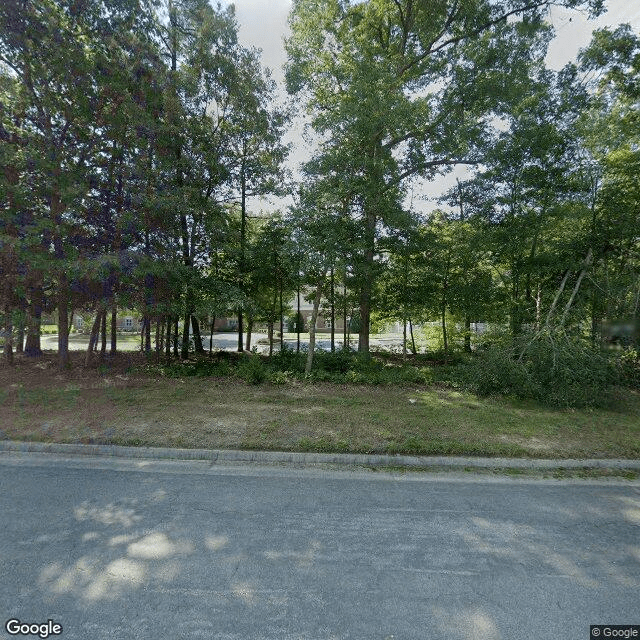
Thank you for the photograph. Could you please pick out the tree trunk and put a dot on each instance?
(366, 283)
(243, 231)
(103, 346)
(552, 308)
(213, 324)
(312, 322)
(20, 333)
(413, 342)
(8, 338)
(197, 337)
(168, 345)
(63, 323)
(32, 348)
(467, 334)
(249, 330)
(587, 263)
(333, 314)
(184, 350)
(114, 329)
(176, 336)
(70, 323)
(240, 330)
(270, 337)
(444, 331)
(298, 319)
(93, 336)
(281, 319)
(345, 343)
(158, 339)
(404, 338)
(147, 335)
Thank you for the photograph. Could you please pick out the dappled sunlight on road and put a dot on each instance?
(290, 557)
(466, 624)
(157, 546)
(302, 559)
(108, 514)
(216, 543)
(632, 511)
(520, 544)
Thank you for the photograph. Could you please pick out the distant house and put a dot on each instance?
(125, 323)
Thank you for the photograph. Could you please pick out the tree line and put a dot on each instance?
(134, 135)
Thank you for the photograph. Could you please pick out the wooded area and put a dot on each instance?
(134, 134)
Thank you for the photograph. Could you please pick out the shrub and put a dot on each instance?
(628, 366)
(553, 368)
(252, 370)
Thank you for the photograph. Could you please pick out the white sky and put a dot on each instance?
(263, 24)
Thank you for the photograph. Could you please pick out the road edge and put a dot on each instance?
(215, 456)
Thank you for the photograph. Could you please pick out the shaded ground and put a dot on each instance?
(112, 404)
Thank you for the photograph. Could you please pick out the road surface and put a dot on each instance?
(131, 550)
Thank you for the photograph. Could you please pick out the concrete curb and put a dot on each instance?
(215, 456)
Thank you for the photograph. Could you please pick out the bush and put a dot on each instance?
(552, 368)
(252, 370)
(628, 365)
(334, 362)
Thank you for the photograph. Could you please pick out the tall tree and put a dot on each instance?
(399, 88)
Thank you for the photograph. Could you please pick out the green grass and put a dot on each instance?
(159, 407)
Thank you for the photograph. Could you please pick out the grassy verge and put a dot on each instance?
(114, 405)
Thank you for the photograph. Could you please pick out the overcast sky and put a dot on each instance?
(263, 24)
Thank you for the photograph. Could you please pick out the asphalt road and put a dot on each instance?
(179, 550)
(224, 341)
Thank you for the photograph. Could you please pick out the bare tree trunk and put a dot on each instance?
(20, 333)
(333, 314)
(249, 330)
(32, 348)
(312, 322)
(281, 319)
(114, 329)
(240, 330)
(345, 329)
(158, 338)
(404, 338)
(197, 338)
(103, 346)
(168, 350)
(93, 336)
(298, 320)
(413, 342)
(147, 335)
(587, 263)
(467, 334)
(184, 349)
(8, 338)
(176, 332)
(63, 324)
(444, 331)
(555, 300)
(270, 337)
(213, 324)
(70, 323)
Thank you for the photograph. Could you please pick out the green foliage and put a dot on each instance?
(628, 365)
(295, 323)
(552, 368)
(253, 370)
